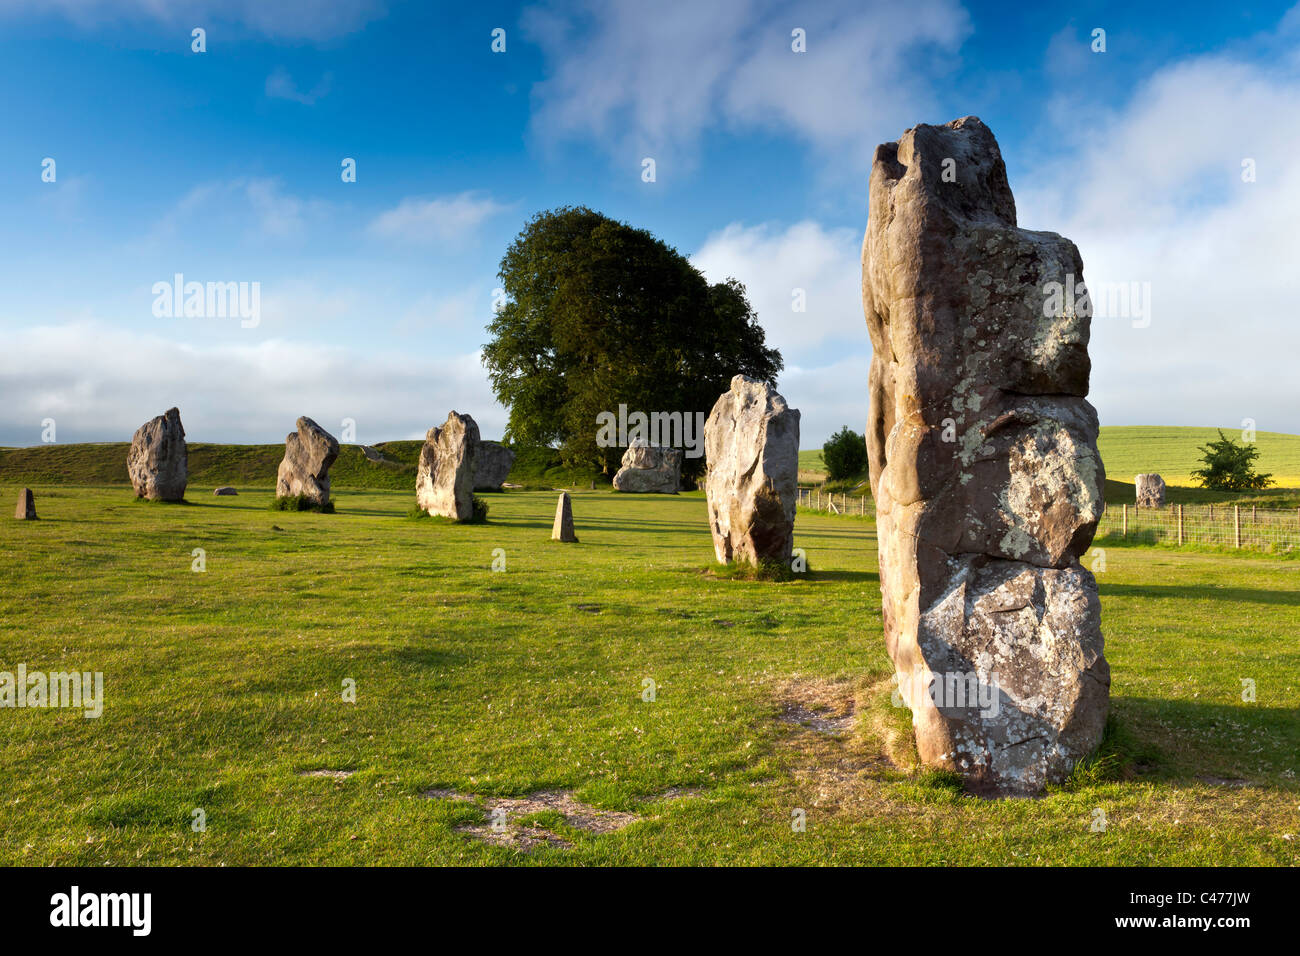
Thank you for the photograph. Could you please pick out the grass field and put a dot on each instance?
(523, 691)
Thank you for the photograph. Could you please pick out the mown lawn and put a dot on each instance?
(224, 688)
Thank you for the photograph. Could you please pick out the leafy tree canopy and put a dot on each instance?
(1230, 467)
(598, 313)
(845, 454)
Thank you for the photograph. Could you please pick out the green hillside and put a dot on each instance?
(254, 466)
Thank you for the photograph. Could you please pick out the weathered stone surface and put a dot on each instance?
(1150, 491)
(158, 461)
(444, 481)
(751, 441)
(492, 466)
(26, 510)
(225, 490)
(305, 470)
(649, 468)
(984, 465)
(562, 530)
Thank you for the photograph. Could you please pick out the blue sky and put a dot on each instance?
(225, 166)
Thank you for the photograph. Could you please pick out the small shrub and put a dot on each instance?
(301, 503)
(1230, 467)
(478, 517)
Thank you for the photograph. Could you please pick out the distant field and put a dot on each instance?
(1170, 451)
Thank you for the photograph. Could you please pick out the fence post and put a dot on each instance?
(862, 506)
(1124, 525)
(1180, 525)
(1253, 518)
(1236, 526)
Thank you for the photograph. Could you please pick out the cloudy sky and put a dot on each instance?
(1172, 159)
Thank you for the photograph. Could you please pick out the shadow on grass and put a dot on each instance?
(1190, 741)
(1200, 592)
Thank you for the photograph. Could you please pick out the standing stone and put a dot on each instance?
(984, 465)
(158, 462)
(444, 481)
(1150, 491)
(26, 510)
(492, 466)
(305, 471)
(649, 468)
(562, 530)
(752, 443)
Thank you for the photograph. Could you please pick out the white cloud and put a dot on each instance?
(280, 85)
(1153, 193)
(261, 202)
(100, 383)
(284, 19)
(443, 219)
(650, 79)
(826, 348)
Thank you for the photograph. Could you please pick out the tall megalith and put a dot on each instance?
(444, 479)
(158, 461)
(304, 472)
(984, 465)
(751, 440)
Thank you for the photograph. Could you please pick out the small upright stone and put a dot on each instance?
(649, 468)
(752, 443)
(563, 528)
(26, 510)
(1150, 491)
(158, 461)
(305, 471)
(444, 480)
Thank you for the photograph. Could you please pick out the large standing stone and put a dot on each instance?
(984, 465)
(158, 462)
(305, 471)
(26, 510)
(752, 443)
(1150, 491)
(492, 466)
(444, 481)
(562, 530)
(650, 468)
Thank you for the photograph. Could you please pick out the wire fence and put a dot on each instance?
(1220, 526)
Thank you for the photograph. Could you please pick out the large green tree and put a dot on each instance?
(598, 313)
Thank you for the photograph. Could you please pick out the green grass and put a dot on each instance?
(224, 687)
(1172, 453)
